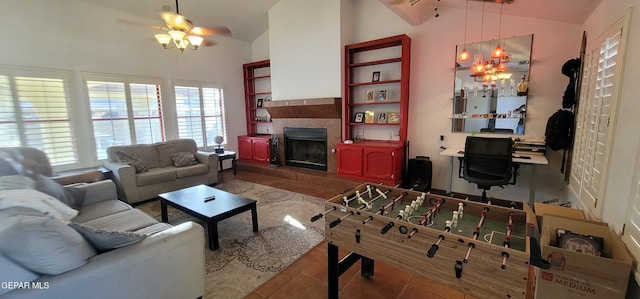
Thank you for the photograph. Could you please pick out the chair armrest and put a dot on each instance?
(81, 177)
(211, 160)
(124, 175)
(98, 191)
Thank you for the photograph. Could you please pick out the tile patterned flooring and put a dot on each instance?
(307, 277)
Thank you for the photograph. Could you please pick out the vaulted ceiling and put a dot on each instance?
(248, 19)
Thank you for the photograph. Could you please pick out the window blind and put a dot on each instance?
(35, 112)
(200, 113)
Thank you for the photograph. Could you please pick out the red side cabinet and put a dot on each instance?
(349, 160)
(254, 148)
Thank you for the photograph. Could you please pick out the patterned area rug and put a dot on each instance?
(246, 259)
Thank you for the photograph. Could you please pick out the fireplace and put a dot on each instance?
(306, 147)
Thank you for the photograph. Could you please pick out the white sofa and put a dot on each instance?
(160, 175)
(168, 263)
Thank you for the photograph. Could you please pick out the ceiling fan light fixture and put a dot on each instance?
(177, 35)
(195, 40)
(163, 39)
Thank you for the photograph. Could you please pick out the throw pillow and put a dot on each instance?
(36, 200)
(131, 159)
(41, 243)
(10, 182)
(182, 159)
(104, 240)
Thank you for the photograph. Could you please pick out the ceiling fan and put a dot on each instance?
(182, 34)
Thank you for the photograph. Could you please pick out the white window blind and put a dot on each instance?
(124, 112)
(200, 113)
(595, 117)
(35, 112)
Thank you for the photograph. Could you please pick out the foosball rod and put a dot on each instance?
(339, 220)
(507, 241)
(317, 217)
(381, 194)
(393, 201)
(476, 233)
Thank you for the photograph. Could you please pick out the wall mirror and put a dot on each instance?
(490, 95)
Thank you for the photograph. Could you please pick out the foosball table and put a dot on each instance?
(480, 249)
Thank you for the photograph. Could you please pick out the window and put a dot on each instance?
(35, 112)
(124, 112)
(200, 113)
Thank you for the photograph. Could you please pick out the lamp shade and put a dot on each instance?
(163, 39)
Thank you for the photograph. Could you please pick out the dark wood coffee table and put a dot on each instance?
(192, 201)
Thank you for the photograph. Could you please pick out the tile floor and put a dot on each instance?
(307, 277)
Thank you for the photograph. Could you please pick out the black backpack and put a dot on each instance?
(559, 132)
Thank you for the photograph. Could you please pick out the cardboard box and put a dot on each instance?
(579, 275)
(542, 209)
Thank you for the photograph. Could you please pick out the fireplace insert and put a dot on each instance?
(306, 147)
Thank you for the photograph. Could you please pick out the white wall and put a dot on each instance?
(79, 37)
(626, 137)
(305, 45)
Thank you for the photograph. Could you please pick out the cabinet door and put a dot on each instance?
(379, 163)
(261, 149)
(349, 160)
(245, 148)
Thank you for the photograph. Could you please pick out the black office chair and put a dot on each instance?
(487, 162)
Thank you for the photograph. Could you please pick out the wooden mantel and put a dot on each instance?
(305, 108)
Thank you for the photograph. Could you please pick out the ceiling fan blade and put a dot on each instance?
(218, 30)
(138, 24)
(208, 43)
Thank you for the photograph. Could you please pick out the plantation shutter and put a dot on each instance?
(189, 110)
(109, 114)
(35, 113)
(147, 113)
(595, 118)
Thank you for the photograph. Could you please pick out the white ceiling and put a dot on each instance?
(248, 19)
(567, 11)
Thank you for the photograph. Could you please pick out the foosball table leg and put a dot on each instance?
(337, 267)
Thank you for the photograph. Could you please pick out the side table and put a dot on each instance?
(225, 156)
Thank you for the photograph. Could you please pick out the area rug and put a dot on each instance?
(246, 259)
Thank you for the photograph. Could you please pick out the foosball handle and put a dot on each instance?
(432, 251)
(387, 227)
(334, 223)
(316, 217)
(458, 269)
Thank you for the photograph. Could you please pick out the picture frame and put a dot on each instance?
(369, 96)
(393, 118)
(375, 77)
(259, 103)
(382, 118)
(358, 117)
(382, 95)
(369, 117)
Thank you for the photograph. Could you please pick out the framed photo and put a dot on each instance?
(382, 118)
(375, 77)
(359, 117)
(369, 96)
(393, 118)
(259, 103)
(368, 117)
(382, 95)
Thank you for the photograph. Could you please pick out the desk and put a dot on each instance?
(533, 161)
(225, 156)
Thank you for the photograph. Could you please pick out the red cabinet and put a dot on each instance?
(379, 163)
(254, 148)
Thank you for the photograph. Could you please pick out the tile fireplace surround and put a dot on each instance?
(308, 113)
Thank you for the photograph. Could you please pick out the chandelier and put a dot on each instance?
(180, 32)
